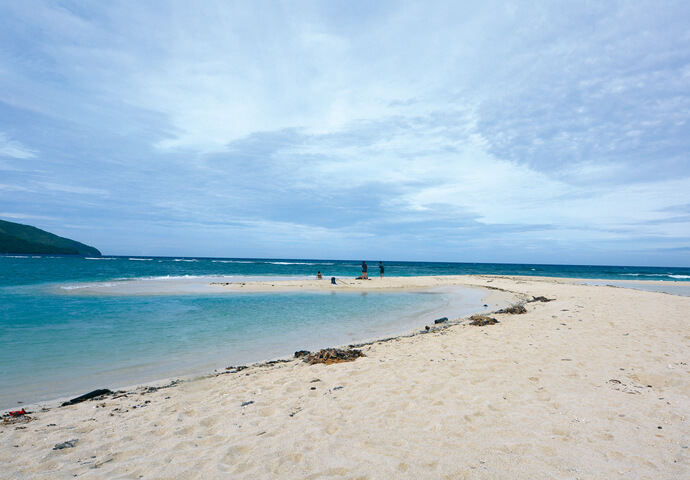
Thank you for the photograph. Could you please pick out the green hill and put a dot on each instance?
(18, 238)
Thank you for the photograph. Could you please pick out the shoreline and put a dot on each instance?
(573, 387)
(348, 286)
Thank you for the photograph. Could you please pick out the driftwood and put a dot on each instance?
(88, 396)
(333, 355)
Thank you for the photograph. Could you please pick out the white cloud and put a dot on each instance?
(26, 216)
(56, 187)
(13, 149)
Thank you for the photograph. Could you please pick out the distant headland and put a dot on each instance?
(25, 239)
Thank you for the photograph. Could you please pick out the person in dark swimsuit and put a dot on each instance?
(364, 271)
(381, 268)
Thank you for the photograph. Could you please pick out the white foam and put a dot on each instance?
(669, 275)
(230, 261)
(297, 263)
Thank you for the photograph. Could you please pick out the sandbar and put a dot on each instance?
(592, 384)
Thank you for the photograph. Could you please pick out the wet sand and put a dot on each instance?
(594, 384)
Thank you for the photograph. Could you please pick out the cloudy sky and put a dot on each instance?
(529, 131)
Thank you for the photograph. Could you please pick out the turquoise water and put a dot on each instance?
(70, 325)
(21, 270)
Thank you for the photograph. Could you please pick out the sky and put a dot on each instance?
(460, 131)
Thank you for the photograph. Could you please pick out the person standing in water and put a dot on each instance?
(381, 268)
(364, 270)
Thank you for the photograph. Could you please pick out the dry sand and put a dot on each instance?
(594, 384)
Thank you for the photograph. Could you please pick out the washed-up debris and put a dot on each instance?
(514, 309)
(302, 353)
(236, 369)
(142, 405)
(145, 390)
(541, 299)
(16, 417)
(68, 444)
(481, 320)
(441, 320)
(631, 388)
(333, 355)
(244, 404)
(96, 394)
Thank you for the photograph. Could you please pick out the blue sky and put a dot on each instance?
(535, 132)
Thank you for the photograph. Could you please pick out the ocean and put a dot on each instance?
(70, 325)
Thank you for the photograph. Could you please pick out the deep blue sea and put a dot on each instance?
(70, 325)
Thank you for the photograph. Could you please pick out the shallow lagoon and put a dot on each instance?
(63, 339)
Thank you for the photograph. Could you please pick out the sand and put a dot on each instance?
(594, 384)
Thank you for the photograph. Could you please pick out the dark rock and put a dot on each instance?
(68, 444)
(333, 355)
(481, 320)
(302, 353)
(441, 320)
(427, 328)
(244, 404)
(88, 396)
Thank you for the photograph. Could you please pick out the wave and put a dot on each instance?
(231, 261)
(297, 263)
(101, 258)
(184, 260)
(167, 277)
(141, 259)
(663, 275)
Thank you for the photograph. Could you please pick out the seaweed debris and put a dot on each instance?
(541, 299)
(514, 310)
(481, 320)
(333, 355)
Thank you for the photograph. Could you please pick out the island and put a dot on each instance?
(16, 238)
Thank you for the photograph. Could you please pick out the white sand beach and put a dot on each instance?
(594, 384)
